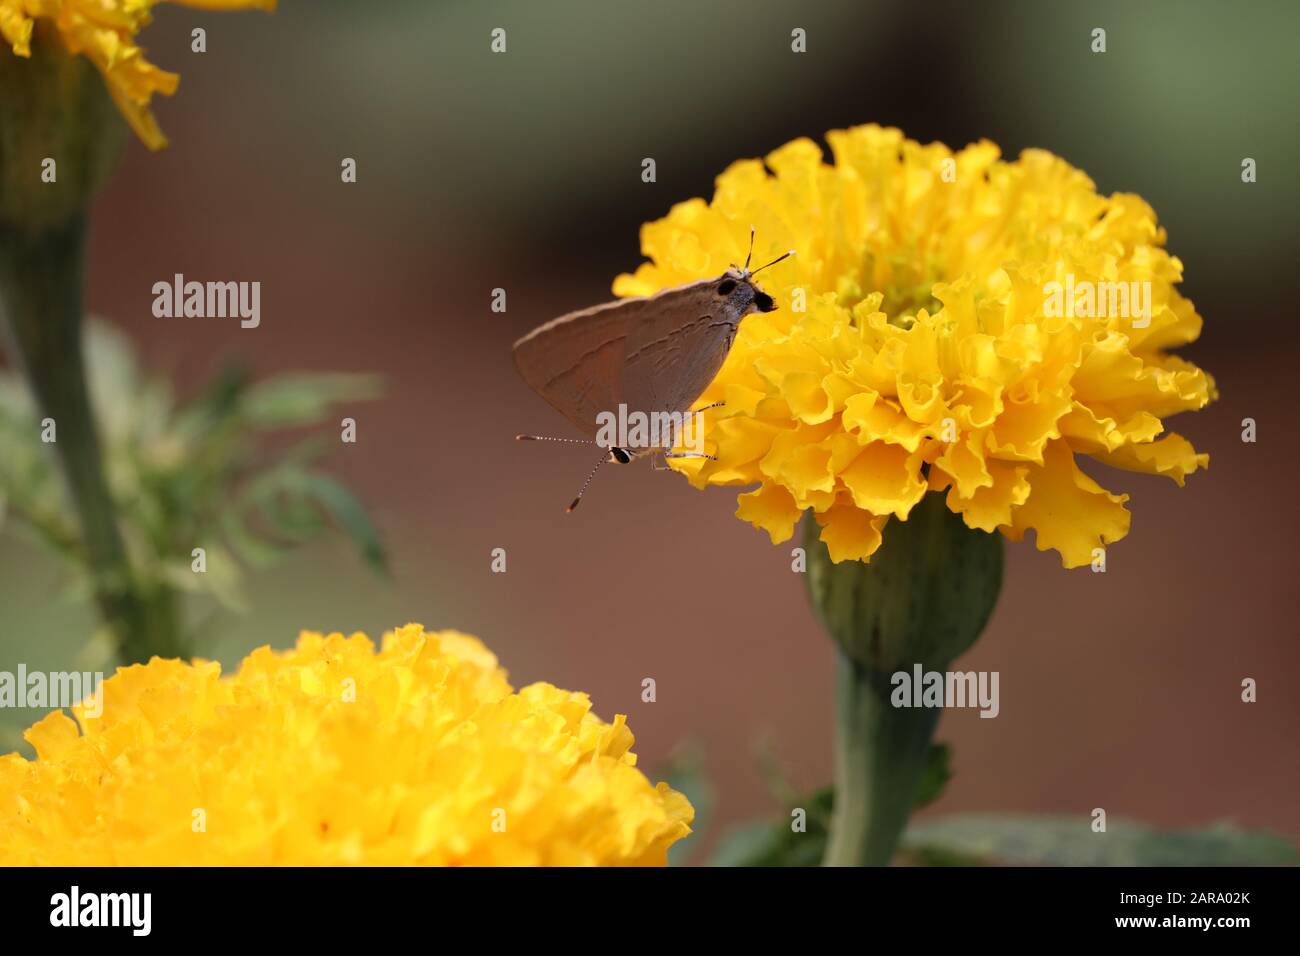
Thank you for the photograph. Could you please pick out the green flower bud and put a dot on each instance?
(53, 106)
(924, 597)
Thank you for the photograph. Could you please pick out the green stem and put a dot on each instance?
(880, 755)
(923, 598)
(41, 308)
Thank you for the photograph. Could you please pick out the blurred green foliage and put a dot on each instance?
(765, 844)
(961, 839)
(1070, 841)
(1006, 839)
(198, 474)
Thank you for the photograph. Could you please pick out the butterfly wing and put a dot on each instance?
(656, 353)
(674, 354)
(575, 361)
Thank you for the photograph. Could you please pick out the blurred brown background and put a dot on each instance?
(523, 171)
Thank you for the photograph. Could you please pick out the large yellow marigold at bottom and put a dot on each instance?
(332, 753)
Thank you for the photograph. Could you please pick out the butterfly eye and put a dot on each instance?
(763, 302)
(726, 286)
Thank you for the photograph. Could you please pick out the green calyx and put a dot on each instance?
(60, 134)
(923, 598)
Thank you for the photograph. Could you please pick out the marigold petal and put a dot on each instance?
(884, 479)
(849, 533)
(989, 507)
(1068, 511)
(770, 508)
(1172, 456)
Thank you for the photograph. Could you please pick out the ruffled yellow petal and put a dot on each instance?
(16, 27)
(770, 508)
(987, 507)
(851, 534)
(1172, 456)
(884, 479)
(1068, 510)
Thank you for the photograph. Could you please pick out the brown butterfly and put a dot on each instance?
(653, 354)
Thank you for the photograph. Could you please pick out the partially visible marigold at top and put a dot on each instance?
(104, 32)
(331, 754)
(929, 354)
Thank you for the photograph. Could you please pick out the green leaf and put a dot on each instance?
(345, 509)
(216, 405)
(1070, 841)
(746, 843)
(935, 777)
(298, 399)
(783, 845)
(31, 491)
(221, 578)
(251, 547)
(129, 408)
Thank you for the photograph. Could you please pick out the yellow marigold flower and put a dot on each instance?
(334, 754)
(917, 347)
(104, 31)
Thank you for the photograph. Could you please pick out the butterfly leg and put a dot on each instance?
(689, 454)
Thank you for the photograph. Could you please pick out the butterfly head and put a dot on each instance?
(738, 285)
(742, 293)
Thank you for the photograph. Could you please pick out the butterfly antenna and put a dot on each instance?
(574, 441)
(751, 248)
(583, 490)
(773, 262)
